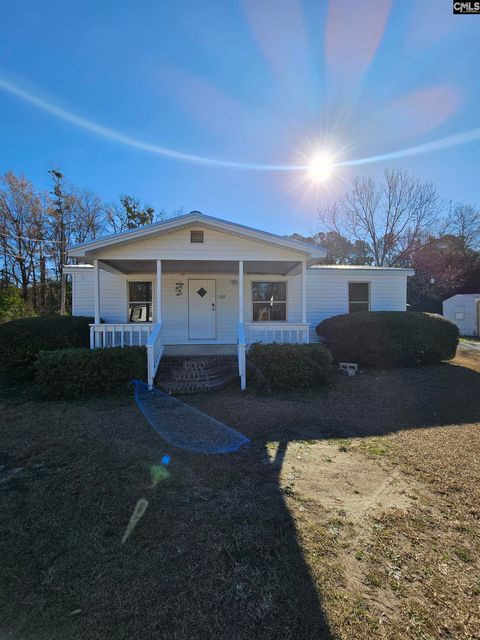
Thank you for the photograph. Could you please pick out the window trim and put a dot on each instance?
(140, 279)
(192, 232)
(369, 301)
(252, 302)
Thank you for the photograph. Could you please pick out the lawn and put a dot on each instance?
(353, 514)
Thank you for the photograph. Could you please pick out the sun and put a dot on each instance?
(321, 167)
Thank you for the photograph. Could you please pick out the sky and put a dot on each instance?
(220, 106)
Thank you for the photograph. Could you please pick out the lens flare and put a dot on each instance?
(321, 167)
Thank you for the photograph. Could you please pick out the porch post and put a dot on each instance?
(159, 292)
(304, 291)
(242, 366)
(96, 291)
(240, 290)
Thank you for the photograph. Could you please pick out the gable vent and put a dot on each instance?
(196, 236)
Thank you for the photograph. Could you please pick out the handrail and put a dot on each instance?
(154, 352)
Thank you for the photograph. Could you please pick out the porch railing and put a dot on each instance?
(154, 352)
(120, 335)
(280, 332)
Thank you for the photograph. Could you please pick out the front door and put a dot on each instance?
(201, 310)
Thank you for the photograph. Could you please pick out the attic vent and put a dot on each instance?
(196, 236)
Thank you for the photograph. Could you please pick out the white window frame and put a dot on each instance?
(253, 302)
(368, 283)
(140, 279)
(459, 313)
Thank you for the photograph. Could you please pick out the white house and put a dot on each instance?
(464, 310)
(205, 283)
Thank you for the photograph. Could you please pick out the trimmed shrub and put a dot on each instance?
(21, 340)
(76, 373)
(389, 338)
(286, 367)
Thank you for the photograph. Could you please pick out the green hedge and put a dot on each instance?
(389, 338)
(286, 367)
(76, 373)
(21, 340)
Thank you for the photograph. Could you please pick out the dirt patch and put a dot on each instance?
(343, 481)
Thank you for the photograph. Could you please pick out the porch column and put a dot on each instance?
(96, 291)
(240, 291)
(159, 292)
(304, 291)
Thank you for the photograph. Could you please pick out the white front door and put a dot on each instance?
(201, 310)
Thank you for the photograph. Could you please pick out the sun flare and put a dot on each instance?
(321, 167)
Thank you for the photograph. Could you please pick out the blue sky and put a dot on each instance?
(256, 82)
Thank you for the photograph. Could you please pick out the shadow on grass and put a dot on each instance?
(216, 554)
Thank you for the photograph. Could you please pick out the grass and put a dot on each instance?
(277, 541)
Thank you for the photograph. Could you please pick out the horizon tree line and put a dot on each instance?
(398, 221)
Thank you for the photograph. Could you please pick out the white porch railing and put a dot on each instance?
(242, 360)
(120, 335)
(154, 352)
(279, 332)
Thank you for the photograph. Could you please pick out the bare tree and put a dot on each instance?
(21, 230)
(88, 216)
(390, 218)
(464, 221)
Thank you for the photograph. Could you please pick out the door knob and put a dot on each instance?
(213, 306)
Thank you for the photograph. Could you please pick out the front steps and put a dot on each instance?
(194, 374)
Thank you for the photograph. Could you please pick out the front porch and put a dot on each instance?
(196, 307)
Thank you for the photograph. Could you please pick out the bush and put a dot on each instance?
(21, 340)
(13, 306)
(389, 338)
(76, 373)
(285, 367)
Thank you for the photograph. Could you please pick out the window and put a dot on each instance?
(358, 296)
(459, 313)
(269, 301)
(196, 236)
(139, 301)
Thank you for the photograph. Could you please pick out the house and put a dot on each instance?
(464, 310)
(197, 284)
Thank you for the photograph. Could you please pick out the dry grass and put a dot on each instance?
(373, 534)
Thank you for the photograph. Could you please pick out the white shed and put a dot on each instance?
(464, 310)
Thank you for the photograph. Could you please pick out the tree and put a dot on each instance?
(60, 226)
(339, 249)
(88, 216)
(464, 221)
(22, 228)
(389, 219)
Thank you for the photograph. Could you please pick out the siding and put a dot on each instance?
(327, 293)
(216, 246)
(467, 303)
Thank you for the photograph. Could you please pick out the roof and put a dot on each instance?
(361, 267)
(194, 217)
(463, 295)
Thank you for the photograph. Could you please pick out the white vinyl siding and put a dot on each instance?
(327, 292)
(466, 305)
(113, 294)
(216, 246)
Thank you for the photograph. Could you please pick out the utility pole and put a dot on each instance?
(61, 209)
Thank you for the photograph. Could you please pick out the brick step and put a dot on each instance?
(193, 374)
(180, 374)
